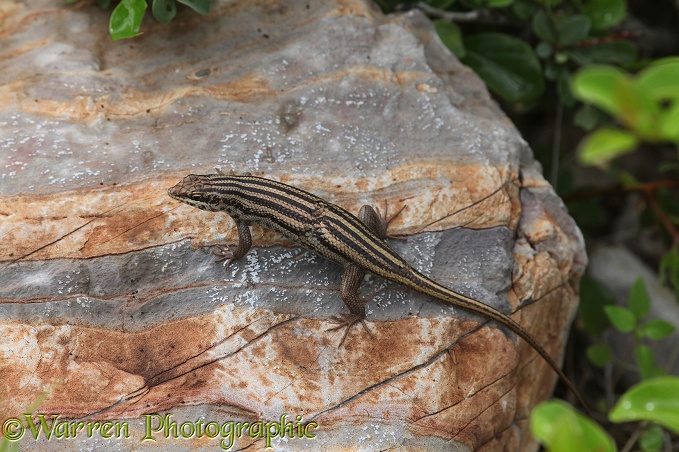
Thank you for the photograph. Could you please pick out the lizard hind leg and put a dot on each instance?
(351, 280)
(378, 223)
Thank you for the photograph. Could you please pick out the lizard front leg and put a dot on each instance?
(244, 244)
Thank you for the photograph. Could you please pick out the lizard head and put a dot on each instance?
(197, 190)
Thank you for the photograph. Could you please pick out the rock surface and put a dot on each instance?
(111, 306)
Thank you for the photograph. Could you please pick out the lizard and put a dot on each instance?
(355, 242)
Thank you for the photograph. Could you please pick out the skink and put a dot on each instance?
(356, 243)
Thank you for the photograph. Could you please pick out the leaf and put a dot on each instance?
(523, 9)
(199, 6)
(587, 117)
(164, 10)
(652, 439)
(622, 318)
(660, 78)
(572, 29)
(126, 19)
(646, 361)
(657, 329)
(450, 36)
(655, 400)
(507, 65)
(639, 302)
(543, 27)
(605, 13)
(669, 268)
(558, 427)
(604, 145)
(599, 85)
(599, 354)
(621, 52)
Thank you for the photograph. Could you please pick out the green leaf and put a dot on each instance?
(657, 329)
(669, 268)
(199, 6)
(126, 19)
(572, 29)
(543, 27)
(544, 49)
(639, 301)
(622, 318)
(600, 85)
(164, 10)
(652, 439)
(599, 354)
(558, 427)
(655, 400)
(620, 53)
(605, 144)
(646, 361)
(605, 13)
(507, 65)
(104, 4)
(669, 123)
(523, 9)
(450, 36)
(661, 79)
(587, 117)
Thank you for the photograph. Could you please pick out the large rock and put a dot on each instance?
(111, 306)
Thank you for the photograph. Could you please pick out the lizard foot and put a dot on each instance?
(348, 321)
(225, 254)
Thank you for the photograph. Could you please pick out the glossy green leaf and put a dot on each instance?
(639, 301)
(507, 65)
(657, 329)
(126, 19)
(164, 10)
(620, 53)
(572, 29)
(599, 354)
(558, 427)
(543, 27)
(605, 13)
(450, 35)
(622, 318)
(605, 144)
(523, 9)
(600, 85)
(199, 6)
(655, 400)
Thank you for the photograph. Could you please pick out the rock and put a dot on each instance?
(112, 308)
